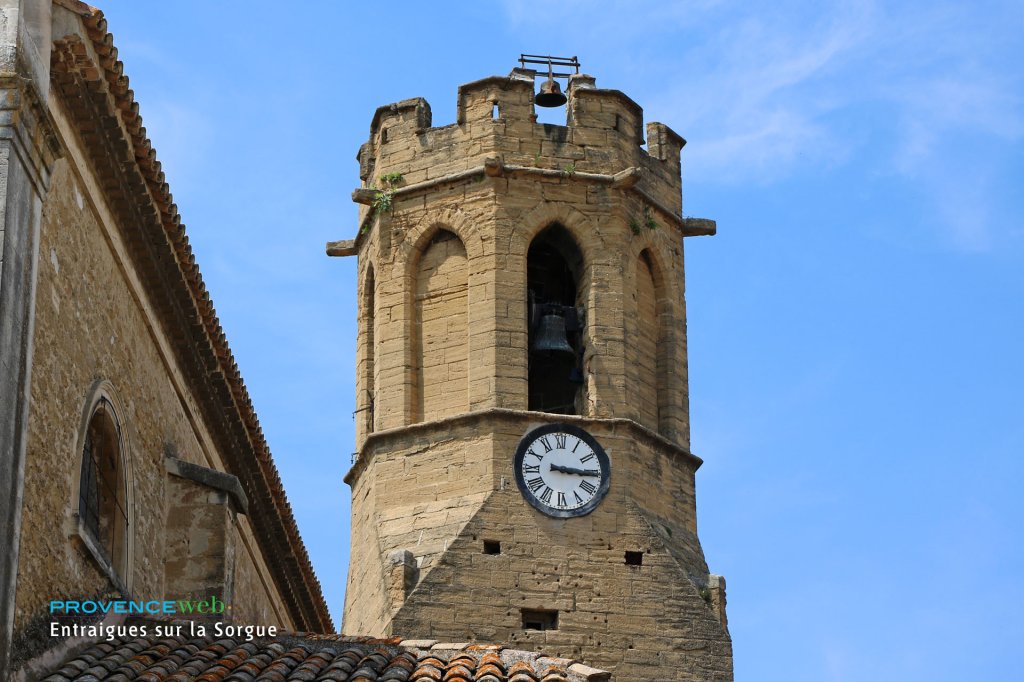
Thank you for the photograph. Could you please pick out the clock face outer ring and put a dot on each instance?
(606, 471)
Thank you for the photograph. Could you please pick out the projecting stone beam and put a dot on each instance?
(699, 227)
(625, 179)
(345, 247)
(364, 196)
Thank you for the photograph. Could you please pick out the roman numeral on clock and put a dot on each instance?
(579, 469)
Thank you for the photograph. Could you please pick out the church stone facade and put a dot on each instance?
(132, 464)
(470, 235)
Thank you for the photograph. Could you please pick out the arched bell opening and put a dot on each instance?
(554, 267)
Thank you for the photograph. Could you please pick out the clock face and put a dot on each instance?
(562, 470)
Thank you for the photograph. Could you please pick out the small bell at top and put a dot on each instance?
(550, 94)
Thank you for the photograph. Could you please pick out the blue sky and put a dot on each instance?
(855, 328)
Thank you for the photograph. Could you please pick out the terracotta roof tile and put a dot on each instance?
(521, 671)
(330, 658)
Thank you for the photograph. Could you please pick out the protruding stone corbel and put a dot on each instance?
(344, 247)
(210, 478)
(494, 167)
(626, 178)
(364, 196)
(699, 227)
(716, 588)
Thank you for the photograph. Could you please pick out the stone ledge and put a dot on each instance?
(525, 417)
(211, 478)
(494, 167)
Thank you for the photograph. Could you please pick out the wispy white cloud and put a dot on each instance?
(810, 86)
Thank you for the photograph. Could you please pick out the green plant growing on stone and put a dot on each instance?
(705, 594)
(634, 226)
(649, 219)
(536, 159)
(391, 179)
(570, 169)
(384, 199)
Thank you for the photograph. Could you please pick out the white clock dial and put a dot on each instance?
(561, 470)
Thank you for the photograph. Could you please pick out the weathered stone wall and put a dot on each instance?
(255, 598)
(199, 537)
(418, 489)
(644, 622)
(94, 322)
(438, 490)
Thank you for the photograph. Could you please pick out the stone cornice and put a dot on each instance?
(384, 438)
(625, 180)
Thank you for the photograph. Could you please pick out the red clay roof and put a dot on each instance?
(312, 657)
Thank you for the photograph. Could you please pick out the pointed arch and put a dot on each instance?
(647, 344)
(441, 328)
(585, 233)
(555, 289)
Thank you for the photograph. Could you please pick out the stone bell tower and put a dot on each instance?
(523, 471)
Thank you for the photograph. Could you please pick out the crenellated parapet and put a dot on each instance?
(604, 135)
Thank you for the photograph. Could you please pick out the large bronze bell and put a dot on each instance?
(550, 94)
(551, 335)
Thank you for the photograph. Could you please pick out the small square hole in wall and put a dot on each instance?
(492, 547)
(383, 135)
(634, 558)
(494, 111)
(539, 619)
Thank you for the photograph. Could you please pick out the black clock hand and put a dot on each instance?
(573, 470)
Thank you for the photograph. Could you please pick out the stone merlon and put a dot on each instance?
(496, 135)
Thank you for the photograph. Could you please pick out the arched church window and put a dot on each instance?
(102, 491)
